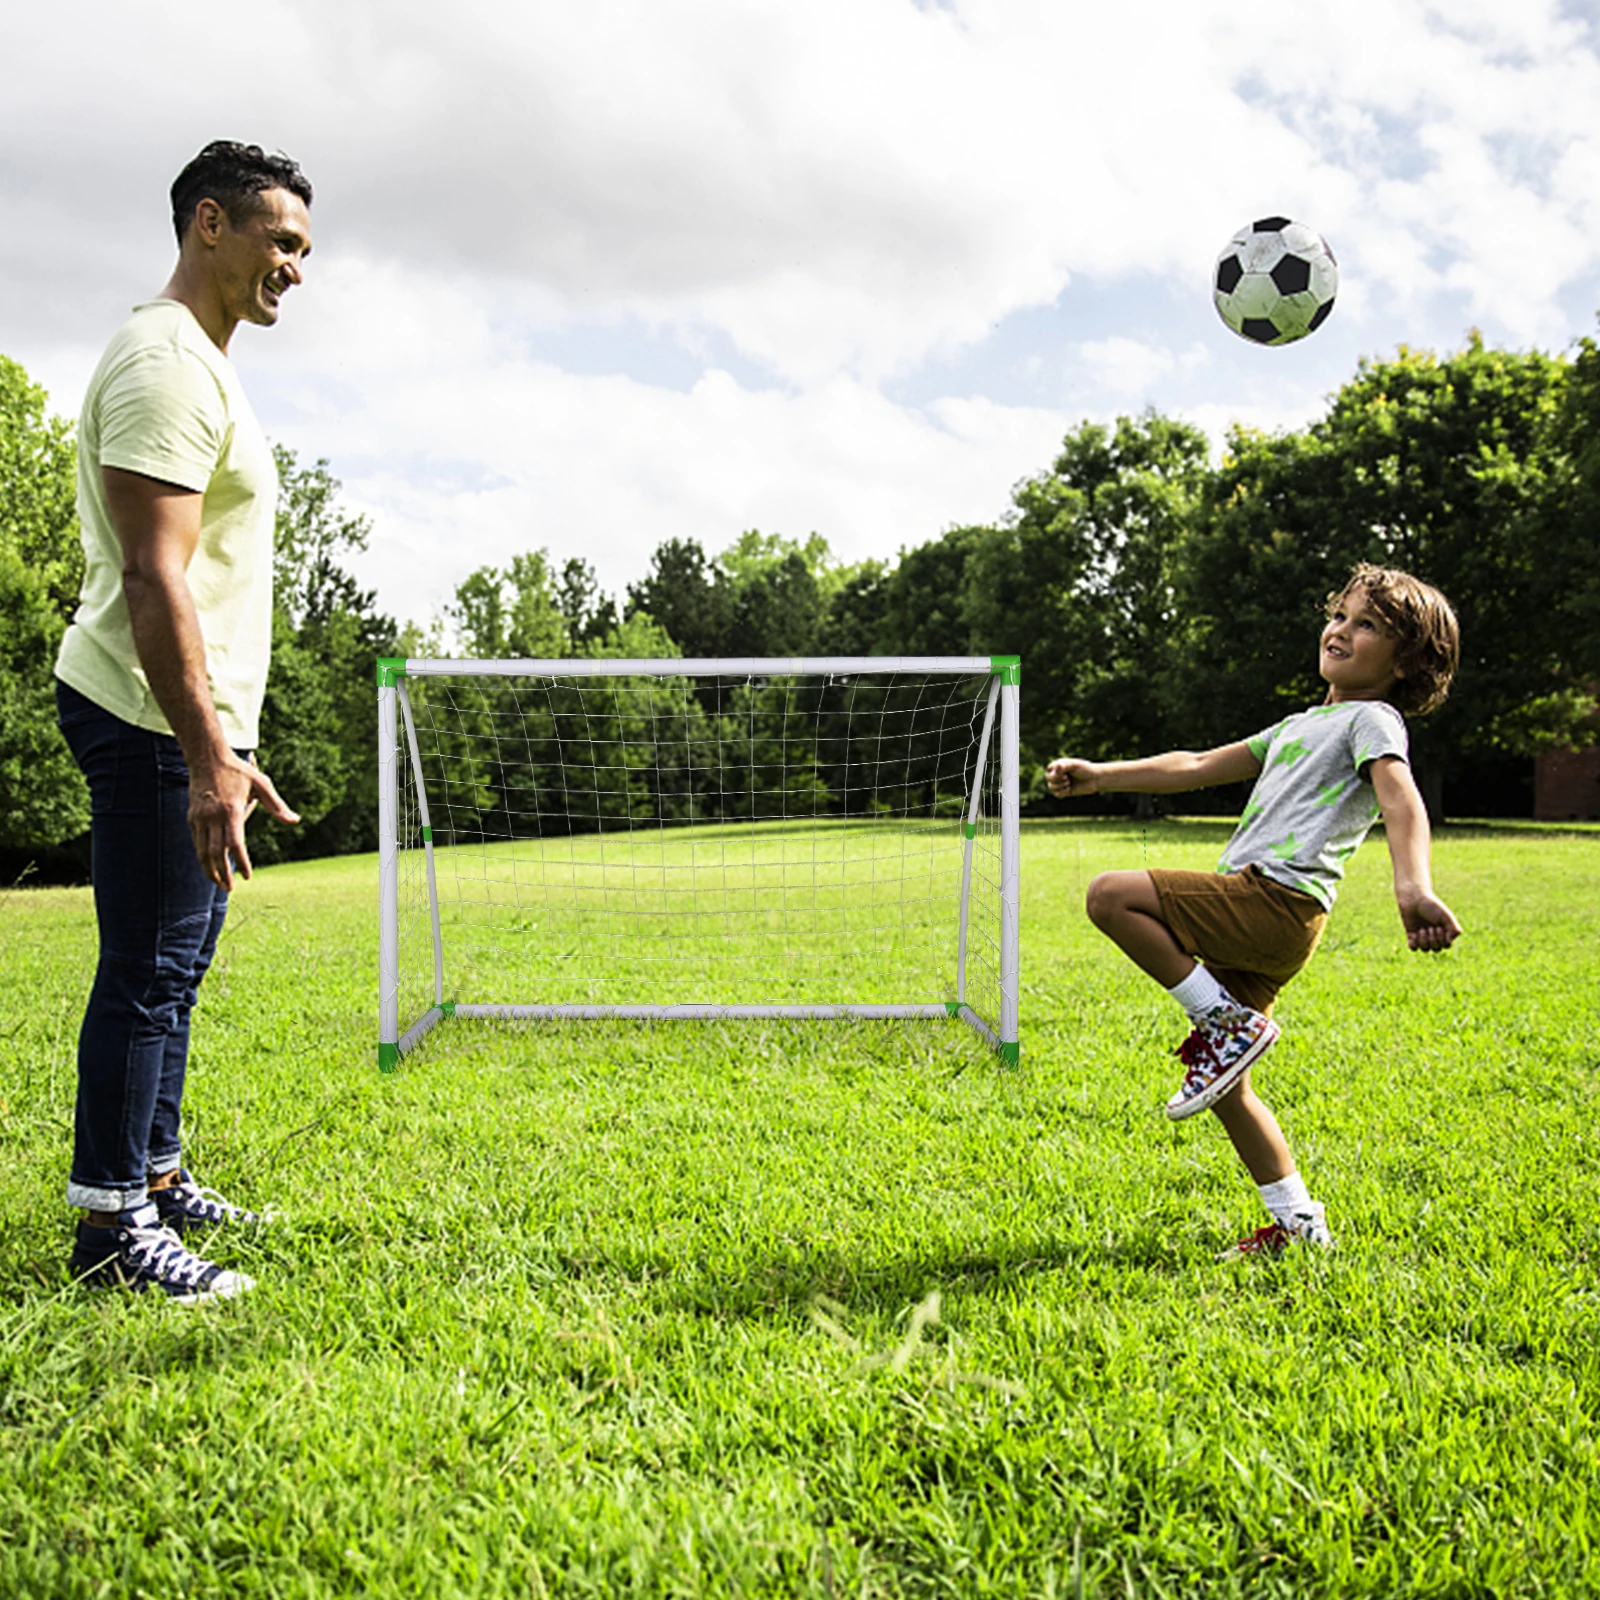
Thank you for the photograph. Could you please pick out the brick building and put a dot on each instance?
(1566, 785)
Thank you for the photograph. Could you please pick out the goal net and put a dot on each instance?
(826, 837)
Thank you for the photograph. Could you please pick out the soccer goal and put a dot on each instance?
(809, 838)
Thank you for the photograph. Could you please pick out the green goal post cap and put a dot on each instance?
(391, 669)
(388, 1057)
(1009, 668)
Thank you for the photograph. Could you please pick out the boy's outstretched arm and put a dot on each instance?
(1172, 773)
(1430, 924)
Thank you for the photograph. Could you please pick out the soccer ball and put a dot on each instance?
(1276, 281)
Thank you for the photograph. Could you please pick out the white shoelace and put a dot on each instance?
(159, 1251)
(213, 1208)
(211, 1204)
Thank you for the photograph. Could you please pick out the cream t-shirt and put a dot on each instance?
(167, 403)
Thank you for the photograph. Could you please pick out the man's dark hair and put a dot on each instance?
(234, 175)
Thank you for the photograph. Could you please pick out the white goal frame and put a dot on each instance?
(395, 714)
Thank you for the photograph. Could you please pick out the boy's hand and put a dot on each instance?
(1430, 924)
(1069, 779)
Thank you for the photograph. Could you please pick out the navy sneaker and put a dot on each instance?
(184, 1205)
(137, 1252)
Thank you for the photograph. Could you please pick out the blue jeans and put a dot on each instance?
(159, 916)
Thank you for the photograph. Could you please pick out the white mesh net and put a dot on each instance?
(723, 839)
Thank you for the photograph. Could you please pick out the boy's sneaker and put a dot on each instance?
(139, 1253)
(1216, 1056)
(184, 1205)
(1305, 1227)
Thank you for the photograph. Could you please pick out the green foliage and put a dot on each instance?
(38, 489)
(687, 595)
(1568, 572)
(925, 608)
(590, 616)
(777, 609)
(1441, 467)
(857, 619)
(1080, 581)
(43, 799)
(1157, 602)
(317, 719)
(765, 595)
(312, 534)
(640, 1311)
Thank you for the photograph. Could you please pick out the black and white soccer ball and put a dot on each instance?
(1276, 281)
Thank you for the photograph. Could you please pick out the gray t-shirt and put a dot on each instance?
(1313, 803)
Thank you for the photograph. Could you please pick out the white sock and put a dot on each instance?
(1199, 994)
(1287, 1199)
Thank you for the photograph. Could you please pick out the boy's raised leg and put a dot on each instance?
(1227, 1036)
(1126, 908)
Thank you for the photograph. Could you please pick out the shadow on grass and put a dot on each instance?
(784, 1287)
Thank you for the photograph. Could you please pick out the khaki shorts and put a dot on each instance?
(1252, 933)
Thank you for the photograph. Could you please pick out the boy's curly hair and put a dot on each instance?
(1427, 635)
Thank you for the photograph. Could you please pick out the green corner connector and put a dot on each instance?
(388, 1057)
(970, 829)
(952, 1008)
(1009, 668)
(427, 835)
(447, 1008)
(1011, 1054)
(391, 669)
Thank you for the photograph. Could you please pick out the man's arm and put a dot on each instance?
(158, 526)
(1172, 773)
(1429, 923)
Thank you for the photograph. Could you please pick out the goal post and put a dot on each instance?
(811, 837)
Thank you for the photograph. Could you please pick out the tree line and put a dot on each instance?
(1158, 599)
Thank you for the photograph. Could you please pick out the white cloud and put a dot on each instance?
(1130, 369)
(465, 454)
(811, 205)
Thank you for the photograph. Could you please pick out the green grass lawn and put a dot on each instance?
(837, 1309)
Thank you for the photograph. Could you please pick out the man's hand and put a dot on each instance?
(1070, 779)
(1429, 923)
(220, 798)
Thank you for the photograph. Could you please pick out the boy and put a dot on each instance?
(1323, 776)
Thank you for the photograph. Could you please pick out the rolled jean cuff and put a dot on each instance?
(160, 1166)
(88, 1198)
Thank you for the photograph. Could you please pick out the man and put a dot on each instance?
(159, 687)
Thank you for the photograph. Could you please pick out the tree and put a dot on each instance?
(589, 615)
(688, 595)
(856, 623)
(765, 595)
(317, 716)
(1080, 581)
(1442, 467)
(925, 606)
(1567, 568)
(777, 609)
(43, 798)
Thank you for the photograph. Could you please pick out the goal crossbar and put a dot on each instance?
(693, 667)
(993, 771)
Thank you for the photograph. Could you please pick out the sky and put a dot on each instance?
(592, 276)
